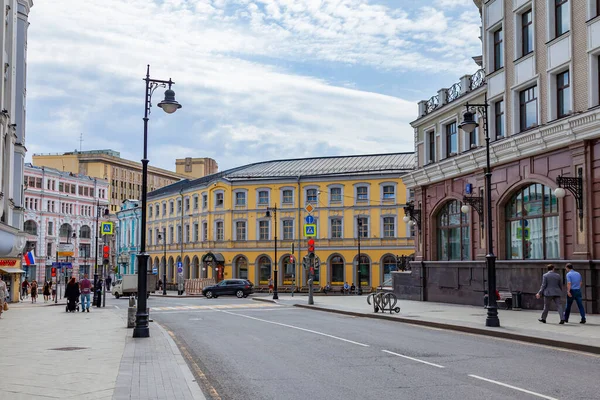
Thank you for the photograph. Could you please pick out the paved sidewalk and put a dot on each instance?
(50, 354)
(519, 325)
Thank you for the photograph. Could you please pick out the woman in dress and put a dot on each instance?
(46, 291)
(72, 294)
(34, 290)
(3, 294)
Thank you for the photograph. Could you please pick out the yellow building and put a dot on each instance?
(227, 233)
(124, 176)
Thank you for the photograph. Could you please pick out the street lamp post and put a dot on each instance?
(169, 105)
(164, 239)
(358, 286)
(468, 125)
(268, 214)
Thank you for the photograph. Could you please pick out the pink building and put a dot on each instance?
(60, 215)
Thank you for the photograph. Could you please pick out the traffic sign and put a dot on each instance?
(107, 228)
(309, 208)
(309, 219)
(154, 270)
(310, 230)
(179, 267)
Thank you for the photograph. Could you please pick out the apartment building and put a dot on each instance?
(124, 176)
(60, 220)
(218, 226)
(541, 79)
(13, 58)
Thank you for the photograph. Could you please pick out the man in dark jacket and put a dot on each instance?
(552, 290)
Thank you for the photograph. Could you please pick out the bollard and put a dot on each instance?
(310, 292)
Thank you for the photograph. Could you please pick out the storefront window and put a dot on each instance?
(389, 265)
(365, 270)
(264, 268)
(532, 231)
(241, 266)
(288, 271)
(336, 266)
(453, 233)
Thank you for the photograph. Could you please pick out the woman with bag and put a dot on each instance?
(34, 291)
(3, 294)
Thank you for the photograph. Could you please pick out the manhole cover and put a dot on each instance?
(70, 348)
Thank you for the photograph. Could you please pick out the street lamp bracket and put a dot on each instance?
(477, 203)
(413, 214)
(575, 186)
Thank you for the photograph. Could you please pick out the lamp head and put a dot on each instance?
(560, 192)
(268, 214)
(169, 104)
(468, 125)
(465, 208)
(406, 218)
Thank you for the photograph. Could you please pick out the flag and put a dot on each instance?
(29, 258)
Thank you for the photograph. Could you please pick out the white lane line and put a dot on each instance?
(413, 359)
(117, 307)
(296, 327)
(514, 388)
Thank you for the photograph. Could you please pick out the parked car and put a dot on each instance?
(239, 287)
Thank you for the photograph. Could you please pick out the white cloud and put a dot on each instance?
(90, 56)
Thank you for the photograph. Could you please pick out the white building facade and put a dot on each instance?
(128, 236)
(13, 56)
(61, 211)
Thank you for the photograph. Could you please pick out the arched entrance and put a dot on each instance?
(240, 267)
(171, 272)
(214, 262)
(195, 268)
(186, 267)
(336, 267)
(263, 266)
(288, 270)
(364, 269)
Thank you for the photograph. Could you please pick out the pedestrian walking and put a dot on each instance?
(552, 290)
(574, 293)
(34, 290)
(3, 295)
(53, 288)
(46, 291)
(86, 289)
(108, 282)
(72, 294)
(160, 284)
(270, 285)
(24, 288)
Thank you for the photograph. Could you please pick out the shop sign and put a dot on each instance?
(8, 263)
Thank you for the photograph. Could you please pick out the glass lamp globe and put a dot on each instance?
(465, 208)
(406, 218)
(560, 192)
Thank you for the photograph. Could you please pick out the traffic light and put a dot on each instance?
(292, 260)
(105, 254)
(53, 271)
(311, 248)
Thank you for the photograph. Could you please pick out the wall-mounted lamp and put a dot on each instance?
(473, 201)
(575, 186)
(412, 215)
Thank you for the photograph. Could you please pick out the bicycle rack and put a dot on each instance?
(383, 302)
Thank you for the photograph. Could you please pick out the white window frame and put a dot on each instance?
(216, 193)
(240, 191)
(518, 31)
(391, 200)
(382, 233)
(204, 200)
(293, 202)
(368, 224)
(553, 90)
(235, 233)
(283, 228)
(258, 191)
(490, 31)
(306, 189)
(335, 203)
(258, 222)
(216, 231)
(551, 20)
(355, 193)
(429, 158)
(331, 219)
(516, 104)
(492, 118)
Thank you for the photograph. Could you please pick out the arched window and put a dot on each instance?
(336, 266)
(264, 270)
(389, 265)
(65, 230)
(453, 233)
(85, 232)
(364, 270)
(30, 227)
(288, 271)
(241, 267)
(532, 224)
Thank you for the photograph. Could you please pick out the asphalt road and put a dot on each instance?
(243, 349)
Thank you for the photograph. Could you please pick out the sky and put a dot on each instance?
(258, 79)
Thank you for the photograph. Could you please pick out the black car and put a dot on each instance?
(239, 287)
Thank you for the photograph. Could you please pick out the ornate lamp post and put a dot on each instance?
(268, 215)
(468, 125)
(169, 105)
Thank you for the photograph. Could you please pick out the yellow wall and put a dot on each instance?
(67, 163)
(373, 246)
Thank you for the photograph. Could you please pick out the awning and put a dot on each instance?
(8, 270)
(216, 257)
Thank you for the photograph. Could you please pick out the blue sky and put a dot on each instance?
(258, 79)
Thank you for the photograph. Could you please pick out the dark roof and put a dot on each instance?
(304, 167)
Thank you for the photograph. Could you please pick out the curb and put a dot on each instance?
(176, 296)
(265, 300)
(466, 329)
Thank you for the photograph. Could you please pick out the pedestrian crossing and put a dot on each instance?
(217, 307)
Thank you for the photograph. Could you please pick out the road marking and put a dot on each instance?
(117, 307)
(514, 388)
(298, 328)
(217, 306)
(214, 395)
(413, 359)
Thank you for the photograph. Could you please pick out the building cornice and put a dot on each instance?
(549, 137)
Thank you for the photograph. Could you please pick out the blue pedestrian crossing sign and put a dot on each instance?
(310, 230)
(107, 228)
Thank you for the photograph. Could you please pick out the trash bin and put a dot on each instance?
(516, 300)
